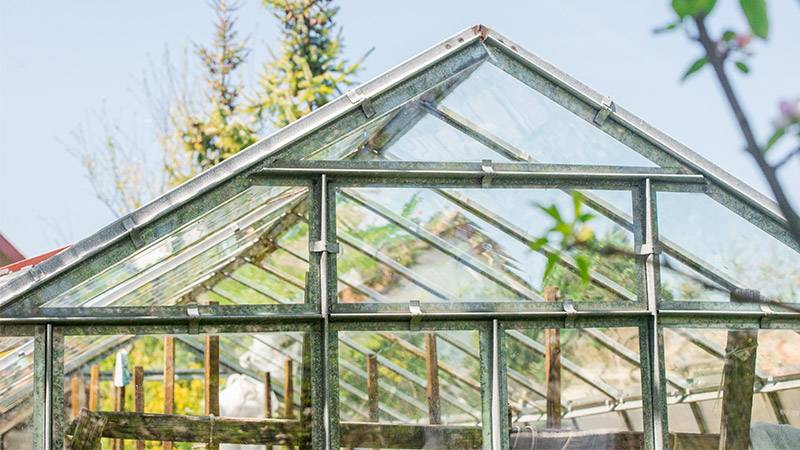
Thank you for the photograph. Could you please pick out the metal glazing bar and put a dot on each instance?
(443, 171)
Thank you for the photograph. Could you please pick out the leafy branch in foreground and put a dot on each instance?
(733, 46)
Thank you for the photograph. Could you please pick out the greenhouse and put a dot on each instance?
(471, 251)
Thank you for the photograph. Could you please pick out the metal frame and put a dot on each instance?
(400, 98)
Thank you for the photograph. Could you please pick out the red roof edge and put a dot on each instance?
(19, 265)
(8, 250)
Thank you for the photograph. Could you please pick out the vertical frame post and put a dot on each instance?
(41, 402)
(57, 387)
(654, 406)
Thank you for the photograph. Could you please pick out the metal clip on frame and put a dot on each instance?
(569, 308)
(416, 314)
(488, 173)
(193, 312)
(607, 107)
(763, 322)
(324, 247)
(356, 97)
(133, 232)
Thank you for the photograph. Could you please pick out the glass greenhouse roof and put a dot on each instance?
(396, 260)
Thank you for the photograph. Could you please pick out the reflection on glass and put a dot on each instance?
(16, 389)
(576, 387)
(238, 238)
(695, 228)
(422, 389)
(744, 381)
(263, 377)
(535, 124)
(438, 245)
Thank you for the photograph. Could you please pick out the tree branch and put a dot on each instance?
(718, 63)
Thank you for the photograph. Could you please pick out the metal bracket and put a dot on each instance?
(607, 107)
(133, 231)
(193, 311)
(487, 168)
(356, 97)
(646, 250)
(36, 273)
(324, 247)
(416, 314)
(763, 322)
(569, 308)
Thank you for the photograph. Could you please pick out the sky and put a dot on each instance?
(63, 63)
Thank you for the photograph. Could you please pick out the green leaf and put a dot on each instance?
(776, 136)
(552, 259)
(552, 211)
(697, 65)
(539, 243)
(666, 28)
(686, 8)
(743, 67)
(756, 13)
(583, 263)
(728, 35)
(585, 217)
(577, 203)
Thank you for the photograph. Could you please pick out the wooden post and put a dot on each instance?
(119, 405)
(432, 378)
(552, 366)
(169, 381)
(94, 387)
(288, 390)
(737, 389)
(138, 396)
(76, 388)
(267, 395)
(212, 380)
(372, 387)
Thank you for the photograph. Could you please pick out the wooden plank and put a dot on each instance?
(138, 396)
(737, 389)
(288, 389)
(211, 367)
(552, 366)
(267, 395)
(169, 381)
(94, 387)
(200, 429)
(432, 380)
(76, 388)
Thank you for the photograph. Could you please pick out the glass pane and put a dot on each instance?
(16, 391)
(422, 389)
(589, 379)
(437, 245)
(763, 363)
(196, 258)
(535, 124)
(702, 230)
(262, 378)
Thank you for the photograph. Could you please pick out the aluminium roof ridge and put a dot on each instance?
(283, 137)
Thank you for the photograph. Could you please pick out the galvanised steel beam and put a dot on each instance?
(466, 174)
